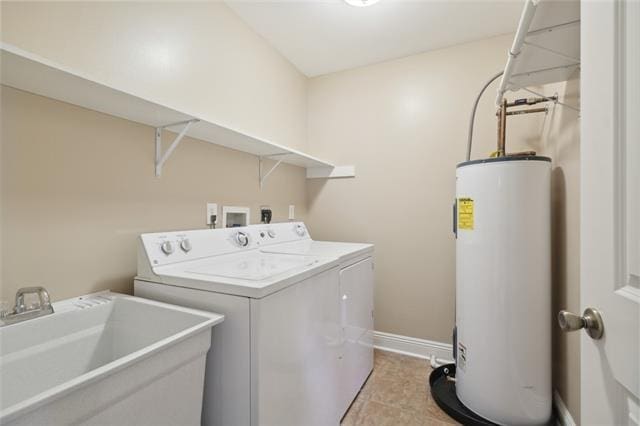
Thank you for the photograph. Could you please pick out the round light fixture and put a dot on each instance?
(361, 3)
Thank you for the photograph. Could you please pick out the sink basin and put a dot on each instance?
(105, 358)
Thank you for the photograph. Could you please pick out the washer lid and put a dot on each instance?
(256, 266)
(320, 249)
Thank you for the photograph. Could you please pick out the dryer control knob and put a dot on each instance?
(166, 247)
(300, 230)
(241, 239)
(185, 245)
(272, 233)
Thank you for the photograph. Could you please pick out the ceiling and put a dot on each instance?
(323, 36)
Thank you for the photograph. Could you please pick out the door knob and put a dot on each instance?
(591, 321)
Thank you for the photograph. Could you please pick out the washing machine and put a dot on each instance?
(296, 343)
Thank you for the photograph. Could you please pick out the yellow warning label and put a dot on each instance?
(465, 213)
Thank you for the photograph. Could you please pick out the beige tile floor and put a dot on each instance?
(396, 393)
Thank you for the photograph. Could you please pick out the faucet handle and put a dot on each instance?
(43, 296)
(5, 308)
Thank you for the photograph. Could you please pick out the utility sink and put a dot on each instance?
(106, 358)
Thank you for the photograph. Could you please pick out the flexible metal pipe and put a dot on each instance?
(473, 112)
(437, 362)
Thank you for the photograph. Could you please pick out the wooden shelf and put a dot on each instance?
(546, 48)
(25, 71)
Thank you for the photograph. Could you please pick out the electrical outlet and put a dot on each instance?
(212, 209)
(292, 212)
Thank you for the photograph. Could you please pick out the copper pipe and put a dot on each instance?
(531, 101)
(527, 111)
(502, 129)
(499, 115)
(502, 118)
(523, 111)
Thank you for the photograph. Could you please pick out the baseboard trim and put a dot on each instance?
(412, 346)
(563, 416)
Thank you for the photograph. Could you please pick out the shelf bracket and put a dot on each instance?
(553, 99)
(162, 158)
(263, 175)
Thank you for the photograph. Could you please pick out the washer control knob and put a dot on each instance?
(241, 239)
(166, 247)
(185, 245)
(300, 230)
(272, 233)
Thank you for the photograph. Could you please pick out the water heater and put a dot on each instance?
(503, 289)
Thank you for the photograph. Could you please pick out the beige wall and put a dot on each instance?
(78, 187)
(404, 124)
(561, 139)
(196, 57)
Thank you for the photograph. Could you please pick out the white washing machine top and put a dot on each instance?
(253, 266)
(309, 247)
(251, 261)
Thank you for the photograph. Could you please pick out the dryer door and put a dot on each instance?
(356, 294)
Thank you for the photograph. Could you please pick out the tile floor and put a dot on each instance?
(396, 393)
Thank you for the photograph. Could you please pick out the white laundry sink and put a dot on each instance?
(103, 359)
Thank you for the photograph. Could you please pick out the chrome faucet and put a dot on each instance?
(22, 312)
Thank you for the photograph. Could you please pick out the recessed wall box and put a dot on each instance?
(235, 216)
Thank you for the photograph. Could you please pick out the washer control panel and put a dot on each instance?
(185, 245)
(165, 248)
(241, 239)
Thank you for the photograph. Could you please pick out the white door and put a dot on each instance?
(610, 210)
